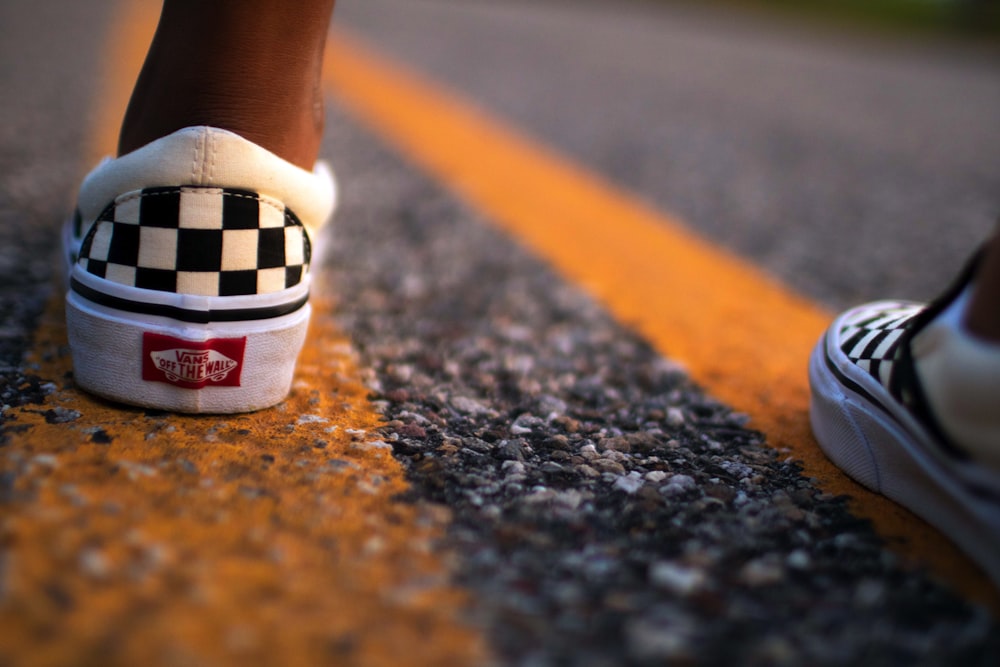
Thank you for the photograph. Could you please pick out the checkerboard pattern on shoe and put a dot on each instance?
(871, 335)
(198, 240)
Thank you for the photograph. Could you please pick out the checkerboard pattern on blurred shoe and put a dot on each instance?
(870, 337)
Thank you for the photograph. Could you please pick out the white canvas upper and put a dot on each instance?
(960, 376)
(193, 156)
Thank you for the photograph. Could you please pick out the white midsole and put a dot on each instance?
(107, 348)
(894, 455)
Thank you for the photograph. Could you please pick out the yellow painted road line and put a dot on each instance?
(742, 336)
(266, 539)
(129, 537)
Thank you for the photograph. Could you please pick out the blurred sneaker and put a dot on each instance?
(189, 271)
(908, 403)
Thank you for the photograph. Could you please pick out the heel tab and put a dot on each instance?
(211, 157)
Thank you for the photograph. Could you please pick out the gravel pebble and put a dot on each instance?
(675, 578)
(630, 483)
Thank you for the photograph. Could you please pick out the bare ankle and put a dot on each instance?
(294, 133)
(983, 316)
(249, 66)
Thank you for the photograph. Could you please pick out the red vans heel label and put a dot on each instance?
(192, 364)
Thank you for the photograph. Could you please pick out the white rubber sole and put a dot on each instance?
(166, 364)
(882, 446)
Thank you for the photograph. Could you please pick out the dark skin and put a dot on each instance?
(250, 66)
(983, 318)
(254, 67)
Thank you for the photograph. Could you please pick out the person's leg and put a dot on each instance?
(190, 254)
(983, 317)
(249, 66)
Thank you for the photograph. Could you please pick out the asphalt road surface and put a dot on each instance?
(604, 509)
(852, 167)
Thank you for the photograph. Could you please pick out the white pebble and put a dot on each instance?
(468, 406)
(799, 559)
(94, 563)
(629, 483)
(675, 578)
(512, 467)
(675, 416)
(47, 460)
(312, 419)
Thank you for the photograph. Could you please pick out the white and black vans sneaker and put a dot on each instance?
(189, 272)
(908, 403)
